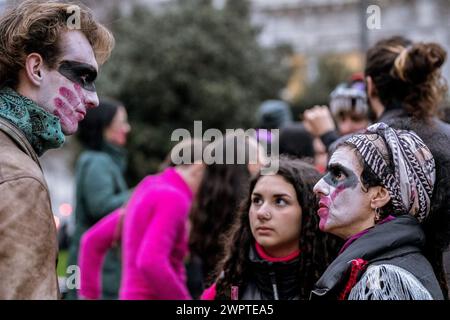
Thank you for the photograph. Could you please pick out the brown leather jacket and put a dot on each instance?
(28, 240)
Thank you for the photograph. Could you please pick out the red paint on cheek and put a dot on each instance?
(61, 109)
(79, 91)
(336, 192)
(58, 103)
(57, 113)
(70, 96)
(324, 212)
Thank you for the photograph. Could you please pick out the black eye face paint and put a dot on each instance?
(350, 180)
(80, 73)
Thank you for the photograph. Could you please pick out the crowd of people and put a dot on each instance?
(357, 210)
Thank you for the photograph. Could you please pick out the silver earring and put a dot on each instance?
(377, 215)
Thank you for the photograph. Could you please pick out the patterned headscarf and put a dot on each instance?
(403, 162)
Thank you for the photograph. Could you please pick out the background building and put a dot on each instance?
(340, 27)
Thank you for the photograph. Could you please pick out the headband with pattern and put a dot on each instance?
(408, 175)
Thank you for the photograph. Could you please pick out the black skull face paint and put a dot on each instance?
(80, 73)
(340, 176)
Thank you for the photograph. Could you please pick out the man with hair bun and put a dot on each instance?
(404, 89)
(47, 75)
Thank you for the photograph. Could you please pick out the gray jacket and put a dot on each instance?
(396, 268)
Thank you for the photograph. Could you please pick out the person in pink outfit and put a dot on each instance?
(153, 237)
(94, 245)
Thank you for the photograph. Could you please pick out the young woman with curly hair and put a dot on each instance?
(273, 249)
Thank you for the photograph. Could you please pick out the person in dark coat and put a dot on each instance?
(376, 195)
(404, 89)
(100, 183)
(272, 114)
(296, 141)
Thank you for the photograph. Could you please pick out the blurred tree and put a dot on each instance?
(189, 62)
(331, 71)
(238, 8)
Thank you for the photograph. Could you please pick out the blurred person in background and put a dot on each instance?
(444, 111)
(272, 114)
(155, 231)
(405, 86)
(273, 250)
(98, 240)
(320, 155)
(222, 189)
(296, 141)
(47, 77)
(348, 109)
(100, 182)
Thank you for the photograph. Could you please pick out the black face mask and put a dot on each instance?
(80, 73)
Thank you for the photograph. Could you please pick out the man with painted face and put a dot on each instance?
(47, 74)
(376, 195)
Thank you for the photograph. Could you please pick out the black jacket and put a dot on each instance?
(396, 243)
(272, 280)
(436, 135)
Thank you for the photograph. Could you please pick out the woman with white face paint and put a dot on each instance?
(272, 251)
(375, 195)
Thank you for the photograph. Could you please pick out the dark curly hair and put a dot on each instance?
(317, 249)
(222, 189)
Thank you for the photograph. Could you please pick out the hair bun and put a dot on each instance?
(422, 60)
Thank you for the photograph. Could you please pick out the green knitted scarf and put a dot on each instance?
(42, 129)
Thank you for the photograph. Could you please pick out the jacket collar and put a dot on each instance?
(283, 275)
(404, 233)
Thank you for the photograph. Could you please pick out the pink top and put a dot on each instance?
(154, 239)
(265, 256)
(210, 293)
(154, 242)
(94, 245)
